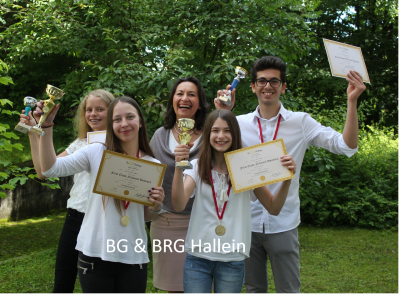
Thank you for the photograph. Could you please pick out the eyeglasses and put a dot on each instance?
(273, 82)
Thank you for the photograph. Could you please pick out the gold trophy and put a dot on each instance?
(54, 94)
(29, 103)
(185, 125)
(240, 74)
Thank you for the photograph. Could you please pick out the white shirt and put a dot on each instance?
(80, 190)
(102, 227)
(204, 220)
(298, 131)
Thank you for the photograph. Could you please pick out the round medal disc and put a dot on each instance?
(125, 221)
(220, 230)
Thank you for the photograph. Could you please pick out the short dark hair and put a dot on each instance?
(268, 62)
(201, 114)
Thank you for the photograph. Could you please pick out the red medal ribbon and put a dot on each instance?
(276, 130)
(215, 198)
(126, 203)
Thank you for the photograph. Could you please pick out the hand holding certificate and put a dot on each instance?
(343, 58)
(257, 166)
(128, 178)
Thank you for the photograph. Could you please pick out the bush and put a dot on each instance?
(358, 191)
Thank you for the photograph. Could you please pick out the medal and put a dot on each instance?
(220, 229)
(125, 219)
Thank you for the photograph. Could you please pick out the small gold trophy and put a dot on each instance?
(240, 74)
(185, 125)
(29, 103)
(54, 94)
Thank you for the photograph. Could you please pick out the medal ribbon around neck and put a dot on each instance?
(125, 219)
(276, 130)
(220, 216)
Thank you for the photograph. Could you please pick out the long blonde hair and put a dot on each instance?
(80, 124)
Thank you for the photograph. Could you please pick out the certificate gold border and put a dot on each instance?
(98, 190)
(92, 133)
(230, 155)
(334, 73)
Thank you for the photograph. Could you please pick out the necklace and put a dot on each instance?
(182, 132)
(220, 229)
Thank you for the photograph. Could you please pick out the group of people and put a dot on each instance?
(190, 204)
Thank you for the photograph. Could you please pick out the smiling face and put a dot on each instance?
(96, 113)
(126, 122)
(268, 95)
(220, 136)
(186, 100)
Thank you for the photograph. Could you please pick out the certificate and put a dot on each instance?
(127, 178)
(96, 136)
(257, 166)
(343, 58)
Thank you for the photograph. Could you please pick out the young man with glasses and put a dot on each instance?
(275, 237)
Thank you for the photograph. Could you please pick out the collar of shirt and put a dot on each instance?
(282, 111)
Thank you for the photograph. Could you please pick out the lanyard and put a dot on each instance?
(126, 203)
(276, 130)
(215, 198)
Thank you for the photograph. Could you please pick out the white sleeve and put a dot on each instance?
(194, 173)
(71, 164)
(324, 137)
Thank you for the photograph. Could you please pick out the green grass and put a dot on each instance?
(333, 260)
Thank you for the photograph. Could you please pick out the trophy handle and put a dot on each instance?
(27, 110)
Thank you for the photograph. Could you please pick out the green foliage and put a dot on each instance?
(11, 174)
(358, 191)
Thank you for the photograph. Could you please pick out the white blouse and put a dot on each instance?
(201, 239)
(80, 189)
(101, 229)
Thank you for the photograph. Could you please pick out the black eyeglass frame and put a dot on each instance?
(273, 79)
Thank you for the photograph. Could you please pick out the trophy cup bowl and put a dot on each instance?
(240, 74)
(54, 94)
(29, 103)
(185, 125)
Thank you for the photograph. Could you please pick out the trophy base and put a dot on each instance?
(21, 127)
(226, 100)
(183, 165)
(37, 130)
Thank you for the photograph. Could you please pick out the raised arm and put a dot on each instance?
(181, 191)
(274, 203)
(354, 90)
(34, 142)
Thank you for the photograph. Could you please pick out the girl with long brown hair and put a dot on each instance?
(112, 254)
(219, 217)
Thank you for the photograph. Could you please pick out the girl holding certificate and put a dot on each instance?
(112, 242)
(90, 116)
(218, 238)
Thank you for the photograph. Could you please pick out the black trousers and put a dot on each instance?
(100, 276)
(67, 256)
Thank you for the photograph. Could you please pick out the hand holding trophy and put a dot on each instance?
(29, 103)
(54, 94)
(240, 74)
(185, 125)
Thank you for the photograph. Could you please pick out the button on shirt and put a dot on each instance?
(298, 131)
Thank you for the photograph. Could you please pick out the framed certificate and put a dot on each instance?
(96, 136)
(127, 178)
(343, 58)
(257, 166)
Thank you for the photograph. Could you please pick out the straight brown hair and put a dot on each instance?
(207, 151)
(113, 143)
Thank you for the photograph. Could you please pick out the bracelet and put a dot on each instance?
(158, 211)
(51, 125)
